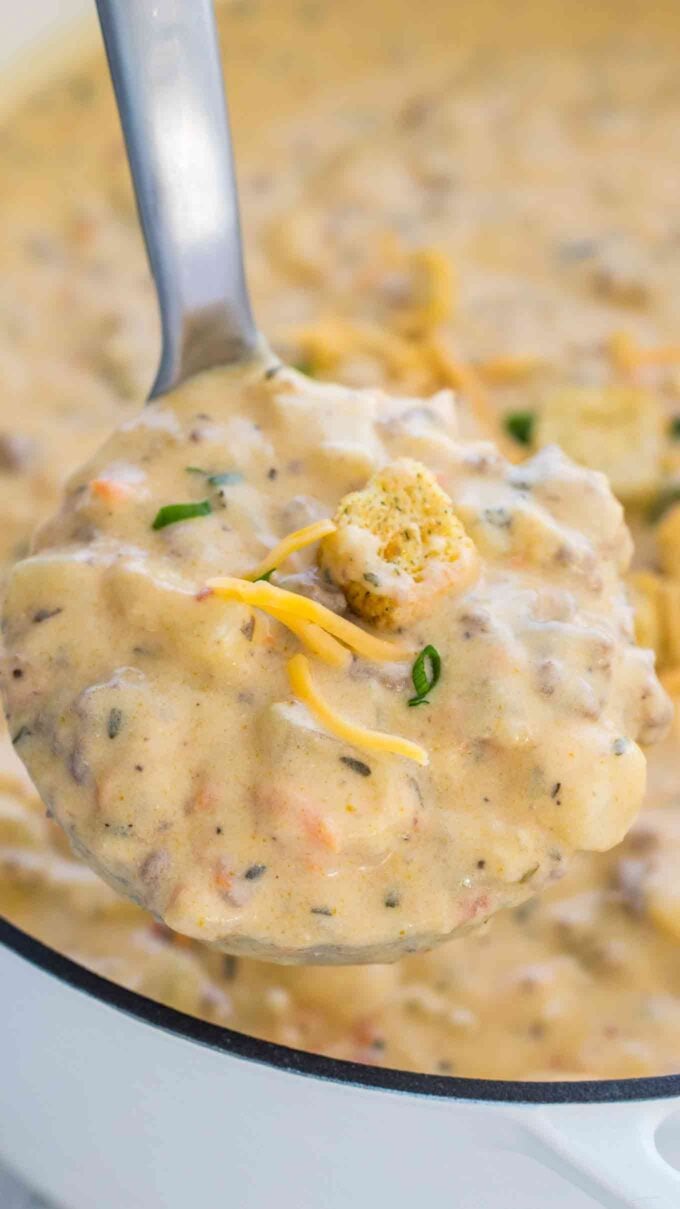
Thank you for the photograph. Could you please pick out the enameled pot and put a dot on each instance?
(111, 1101)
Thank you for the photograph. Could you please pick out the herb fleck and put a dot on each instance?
(663, 502)
(45, 614)
(392, 899)
(114, 723)
(500, 518)
(229, 967)
(356, 765)
(674, 428)
(528, 874)
(520, 426)
(371, 578)
(619, 746)
(555, 789)
(227, 478)
(254, 872)
(22, 733)
(170, 514)
(322, 911)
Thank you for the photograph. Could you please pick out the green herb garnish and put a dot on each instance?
(226, 479)
(266, 577)
(425, 674)
(304, 366)
(114, 723)
(170, 514)
(674, 428)
(520, 426)
(662, 502)
(254, 872)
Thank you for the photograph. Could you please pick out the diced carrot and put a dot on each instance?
(320, 831)
(224, 876)
(203, 801)
(112, 491)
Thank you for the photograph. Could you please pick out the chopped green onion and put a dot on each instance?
(226, 479)
(170, 514)
(674, 428)
(425, 673)
(520, 426)
(662, 502)
(304, 366)
(266, 577)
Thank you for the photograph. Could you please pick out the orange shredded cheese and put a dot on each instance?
(321, 644)
(358, 736)
(507, 370)
(289, 606)
(290, 545)
(628, 356)
(464, 378)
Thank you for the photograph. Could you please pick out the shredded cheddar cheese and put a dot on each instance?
(358, 736)
(462, 377)
(290, 545)
(435, 291)
(289, 606)
(321, 644)
(508, 370)
(628, 356)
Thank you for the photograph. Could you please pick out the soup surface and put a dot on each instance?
(476, 204)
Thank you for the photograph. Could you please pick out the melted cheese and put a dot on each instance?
(321, 644)
(359, 736)
(287, 605)
(290, 545)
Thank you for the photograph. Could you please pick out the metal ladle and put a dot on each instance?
(167, 75)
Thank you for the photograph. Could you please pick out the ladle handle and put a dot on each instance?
(167, 75)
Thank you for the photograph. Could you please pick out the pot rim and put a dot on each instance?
(335, 1070)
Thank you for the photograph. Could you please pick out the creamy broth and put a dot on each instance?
(173, 725)
(560, 242)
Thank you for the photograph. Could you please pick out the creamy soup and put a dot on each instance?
(490, 206)
(319, 806)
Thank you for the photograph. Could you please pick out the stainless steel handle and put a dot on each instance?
(166, 71)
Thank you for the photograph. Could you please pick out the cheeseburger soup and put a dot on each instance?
(479, 241)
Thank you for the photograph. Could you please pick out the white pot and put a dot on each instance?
(110, 1101)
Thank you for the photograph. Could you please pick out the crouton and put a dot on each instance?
(615, 429)
(398, 546)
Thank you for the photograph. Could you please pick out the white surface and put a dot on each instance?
(14, 1195)
(106, 1112)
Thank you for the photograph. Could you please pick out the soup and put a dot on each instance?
(466, 202)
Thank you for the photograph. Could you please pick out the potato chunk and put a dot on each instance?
(398, 546)
(615, 429)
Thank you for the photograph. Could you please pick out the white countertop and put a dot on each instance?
(14, 1195)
